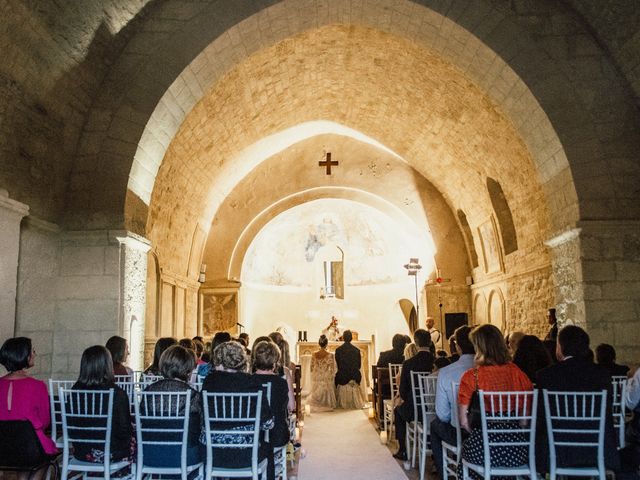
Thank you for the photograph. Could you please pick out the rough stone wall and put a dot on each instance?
(485, 141)
(54, 58)
(616, 25)
(529, 295)
(33, 162)
(69, 294)
(87, 296)
(37, 283)
(454, 299)
(597, 272)
(610, 268)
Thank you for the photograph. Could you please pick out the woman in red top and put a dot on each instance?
(495, 373)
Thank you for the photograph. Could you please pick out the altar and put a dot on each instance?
(304, 350)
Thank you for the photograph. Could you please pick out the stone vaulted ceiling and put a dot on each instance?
(511, 90)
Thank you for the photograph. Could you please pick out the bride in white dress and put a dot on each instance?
(323, 373)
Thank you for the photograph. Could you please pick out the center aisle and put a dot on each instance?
(344, 445)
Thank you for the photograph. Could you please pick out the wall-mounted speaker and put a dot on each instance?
(453, 321)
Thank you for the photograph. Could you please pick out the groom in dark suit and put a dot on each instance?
(348, 360)
(575, 372)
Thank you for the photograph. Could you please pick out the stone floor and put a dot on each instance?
(344, 444)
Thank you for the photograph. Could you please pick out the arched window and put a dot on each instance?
(503, 215)
(468, 238)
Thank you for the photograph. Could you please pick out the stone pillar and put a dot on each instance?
(86, 296)
(36, 298)
(133, 291)
(565, 251)
(597, 272)
(11, 214)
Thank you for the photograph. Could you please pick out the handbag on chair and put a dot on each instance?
(473, 413)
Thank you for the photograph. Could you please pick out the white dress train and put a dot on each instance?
(323, 390)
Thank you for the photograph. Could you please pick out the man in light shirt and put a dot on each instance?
(442, 428)
(436, 336)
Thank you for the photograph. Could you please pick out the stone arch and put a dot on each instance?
(243, 241)
(468, 238)
(428, 25)
(545, 91)
(496, 309)
(222, 168)
(479, 309)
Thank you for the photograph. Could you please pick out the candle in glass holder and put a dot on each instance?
(297, 433)
(383, 437)
(307, 409)
(371, 412)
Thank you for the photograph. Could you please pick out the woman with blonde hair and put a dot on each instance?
(493, 372)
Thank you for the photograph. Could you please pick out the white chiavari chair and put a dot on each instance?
(509, 427)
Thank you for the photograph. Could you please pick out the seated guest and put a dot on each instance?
(187, 343)
(265, 356)
(453, 349)
(395, 355)
(285, 366)
(606, 356)
(161, 345)
(206, 354)
(551, 345)
(442, 428)
(21, 396)
(441, 360)
(119, 350)
(218, 338)
(96, 373)
(410, 350)
(574, 372)
(244, 336)
(230, 365)
(513, 339)
(400, 350)
(420, 362)
(493, 372)
(199, 346)
(531, 356)
(176, 365)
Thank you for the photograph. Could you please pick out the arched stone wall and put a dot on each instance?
(80, 95)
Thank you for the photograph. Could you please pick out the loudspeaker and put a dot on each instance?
(453, 321)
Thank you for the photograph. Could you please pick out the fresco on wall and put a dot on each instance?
(219, 311)
(286, 250)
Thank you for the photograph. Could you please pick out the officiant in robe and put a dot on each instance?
(348, 376)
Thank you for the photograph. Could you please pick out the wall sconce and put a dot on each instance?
(203, 270)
